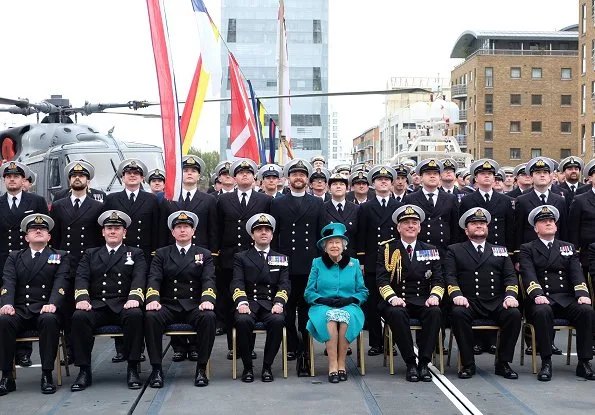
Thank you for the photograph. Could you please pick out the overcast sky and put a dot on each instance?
(100, 51)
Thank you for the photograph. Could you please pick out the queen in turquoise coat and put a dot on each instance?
(335, 292)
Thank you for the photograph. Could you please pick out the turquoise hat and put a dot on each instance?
(332, 230)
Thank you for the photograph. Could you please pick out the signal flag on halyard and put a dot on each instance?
(258, 109)
(208, 69)
(285, 153)
(243, 136)
(172, 142)
(272, 140)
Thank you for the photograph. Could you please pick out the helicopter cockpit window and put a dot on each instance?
(54, 173)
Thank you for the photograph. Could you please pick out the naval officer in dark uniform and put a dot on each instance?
(181, 288)
(482, 284)
(556, 288)
(156, 181)
(109, 289)
(572, 168)
(76, 228)
(409, 278)
(581, 218)
(338, 209)
(361, 192)
(318, 183)
(269, 175)
(34, 283)
(260, 288)
(375, 225)
(299, 217)
(233, 211)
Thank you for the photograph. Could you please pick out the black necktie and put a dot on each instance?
(243, 202)
(431, 199)
(549, 245)
(131, 198)
(398, 199)
(263, 254)
(187, 198)
(487, 196)
(37, 255)
(77, 202)
(542, 196)
(573, 188)
(410, 251)
(448, 191)
(112, 252)
(479, 250)
(383, 203)
(340, 208)
(14, 204)
(183, 251)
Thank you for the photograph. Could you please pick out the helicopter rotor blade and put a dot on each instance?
(20, 111)
(132, 114)
(21, 102)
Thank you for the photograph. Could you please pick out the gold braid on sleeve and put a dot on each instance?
(394, 264)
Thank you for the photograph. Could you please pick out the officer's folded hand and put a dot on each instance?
(461, 301)
(584, 300)
(510, 302)
(83, 305)
(541, 299)
(277, 309)
(7, 310)
(48, 308)
(153, 306)
(432, 301)
(397, 302)
(244, 309)
(206, 305)
(131, 304)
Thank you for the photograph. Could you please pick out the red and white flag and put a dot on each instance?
(243, 122)
(172, 142)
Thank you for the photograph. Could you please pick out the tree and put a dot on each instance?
(211, 159)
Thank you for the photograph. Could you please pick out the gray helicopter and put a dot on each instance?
(46, 147)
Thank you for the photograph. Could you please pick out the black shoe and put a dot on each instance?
(333, 377)
(412, 373)
(69, 358)
(132, 379)
(584, 370)
(545, 373)
(142, 357)
(492, 349)
(201, 378)
(529, 351)
(477, 350)
(193, 356)
(555, 350)
(342, 375)
(23, 361)
(424, 373)
(267, 375)
(47, 385)
(82, 381)
(375, 351)
(178, 357)
(248, 376)
(291, 356)
(219, 331)
(253, 354)
(156, 378)
(349, 352)
(467, 372)
(7, 385)
(118, 358)
(503, 369)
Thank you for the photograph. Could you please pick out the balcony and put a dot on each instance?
(519, 52)
(462, 116)
(458, 91)
(462, 141)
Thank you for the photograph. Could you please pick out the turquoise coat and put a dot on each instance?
(328, 279)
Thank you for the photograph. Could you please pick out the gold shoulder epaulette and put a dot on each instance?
(387, 241)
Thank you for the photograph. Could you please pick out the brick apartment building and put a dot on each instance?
(518, 95)
(586, 84)
(366, 147)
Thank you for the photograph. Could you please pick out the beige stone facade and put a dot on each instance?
(586, 80)
(366, 147)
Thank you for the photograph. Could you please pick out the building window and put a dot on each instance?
(334, 149)
(593, 52)
(488, 152)
(488, 128)
(583, 99)
(584, 138)
(231, 30)
(489, 74)
(515, 153)
(515, 45)
(515, 99)
(535, 152)
(489, 103)
(564, 152)
(583, 18)
(566, 74)
(515, 73)
(272, 83)
(536, 73)
(536, 99)
(334, 142)
(565, 100)
(535, 126)
(316, 81)
(566, 127)
(515, 126)
(584, 58)
(316, 31)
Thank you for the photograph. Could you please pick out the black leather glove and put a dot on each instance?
(342, 302)
(326, 301)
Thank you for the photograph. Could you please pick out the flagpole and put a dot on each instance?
(280, 84)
